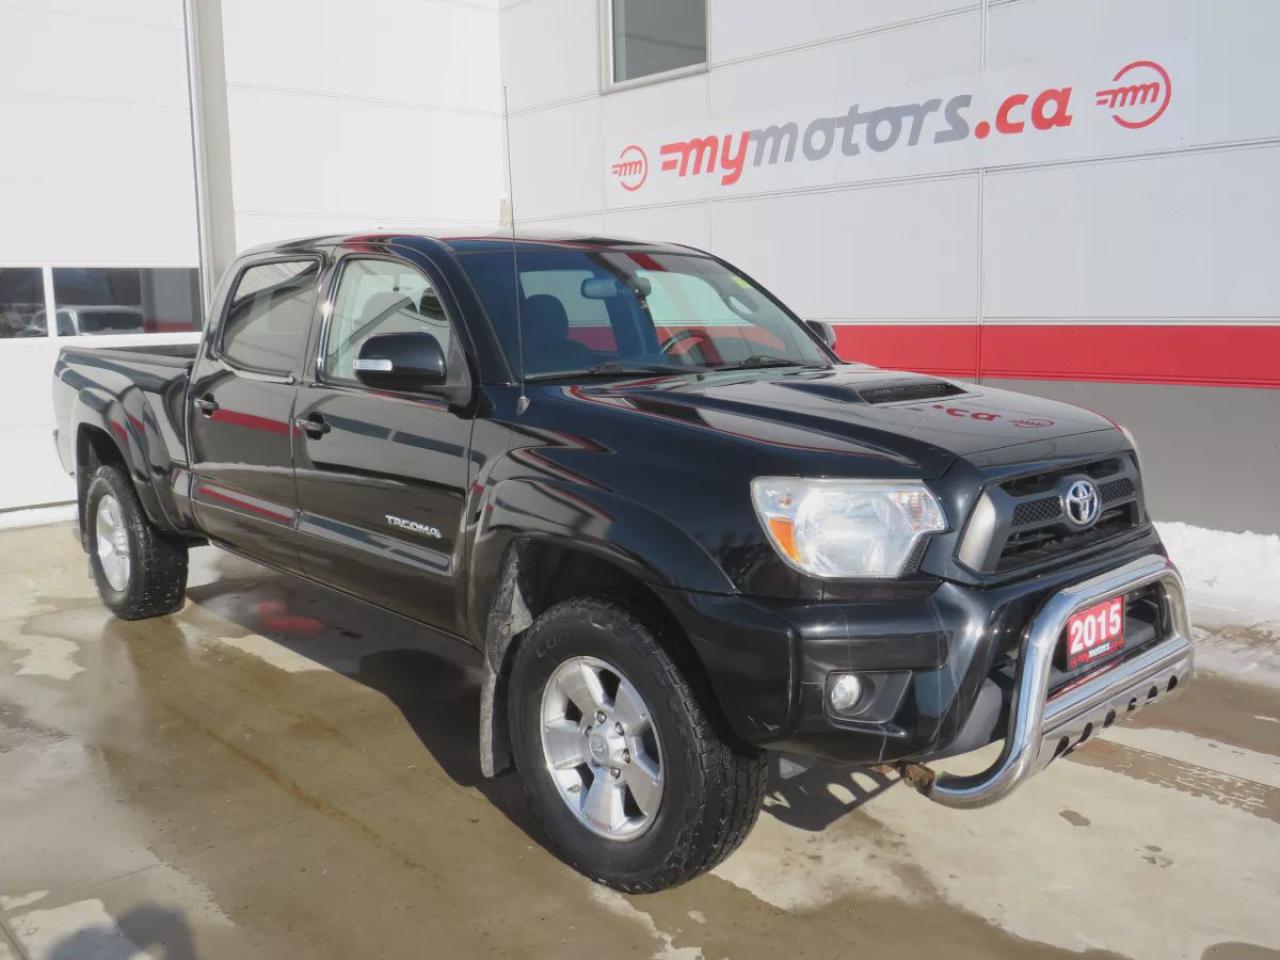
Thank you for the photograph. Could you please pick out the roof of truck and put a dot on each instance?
(462, 239)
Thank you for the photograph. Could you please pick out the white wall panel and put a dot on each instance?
(162, 12)
(1233, 71)
(253, 229)
(33, 473)
(41, 479)
(550, 51)
(906, 251)
(746, 28)
(557, 160)
(658, 104)
(369, 116)
(1183, 236)
(376, 164)
(688, 223)
(91, 58)
(591, 225)
(851, 68)
(414, 51)
(97, 164)
(97, 184)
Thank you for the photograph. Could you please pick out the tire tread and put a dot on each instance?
(158, 579)
(734, 776)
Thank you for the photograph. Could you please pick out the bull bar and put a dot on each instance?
(1043, 727)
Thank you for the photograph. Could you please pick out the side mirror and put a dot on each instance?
(825, 331)
(401, 361)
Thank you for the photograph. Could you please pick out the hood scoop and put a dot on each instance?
(914, 390)
(892, 391)
(900, 392)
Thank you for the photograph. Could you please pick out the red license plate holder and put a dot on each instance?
(1094, 634)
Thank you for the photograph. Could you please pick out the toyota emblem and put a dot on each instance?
(1082, 503)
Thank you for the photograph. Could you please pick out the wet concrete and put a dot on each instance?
(277, 772)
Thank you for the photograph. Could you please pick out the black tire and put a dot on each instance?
(157, 578)
(712, 789)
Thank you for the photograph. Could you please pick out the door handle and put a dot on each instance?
(313, 425)
(206, 404)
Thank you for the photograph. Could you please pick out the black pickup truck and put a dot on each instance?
(679, 529)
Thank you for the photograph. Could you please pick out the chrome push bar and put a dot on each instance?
(1042, 728)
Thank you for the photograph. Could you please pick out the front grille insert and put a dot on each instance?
(1037, 511)
(1020, 522)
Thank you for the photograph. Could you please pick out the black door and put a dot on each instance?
(243, 390)
(382, 476)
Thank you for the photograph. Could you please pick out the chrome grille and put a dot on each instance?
(1019, 522)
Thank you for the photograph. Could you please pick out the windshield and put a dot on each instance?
(607, 312)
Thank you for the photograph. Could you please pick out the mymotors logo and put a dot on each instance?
(631, 168)
(1137, 96)
(1141, 97)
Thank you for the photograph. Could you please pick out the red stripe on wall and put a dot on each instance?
(1222, 356)
(944, 350)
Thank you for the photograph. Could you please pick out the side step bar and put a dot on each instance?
(1042, 728)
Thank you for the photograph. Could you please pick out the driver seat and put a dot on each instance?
(547, 347)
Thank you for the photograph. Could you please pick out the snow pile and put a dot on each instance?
(1232, 578)
(1233, 590)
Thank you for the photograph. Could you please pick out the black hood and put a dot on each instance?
(922, 421)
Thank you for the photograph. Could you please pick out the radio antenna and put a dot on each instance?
(522, 402)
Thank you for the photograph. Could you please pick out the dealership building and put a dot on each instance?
(1073, 198)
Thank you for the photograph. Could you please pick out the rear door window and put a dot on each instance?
(269, 318)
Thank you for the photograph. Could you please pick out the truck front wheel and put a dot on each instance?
(140, 572)
(618, 757)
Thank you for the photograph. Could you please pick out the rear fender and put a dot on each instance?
(131, 427)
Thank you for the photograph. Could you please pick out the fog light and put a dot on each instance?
(845, 693)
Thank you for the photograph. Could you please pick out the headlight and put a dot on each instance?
(846, 528)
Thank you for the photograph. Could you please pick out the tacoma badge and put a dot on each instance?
(403, 524)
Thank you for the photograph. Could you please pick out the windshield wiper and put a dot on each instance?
(614, 368)
(765, 360)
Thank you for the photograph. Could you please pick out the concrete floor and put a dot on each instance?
(276, 772)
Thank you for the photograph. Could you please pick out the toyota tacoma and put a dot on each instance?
(679, 530)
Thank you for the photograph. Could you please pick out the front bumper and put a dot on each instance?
(950, 671)
(1043, 727)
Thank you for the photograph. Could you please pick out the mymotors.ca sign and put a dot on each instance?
(1095, 106)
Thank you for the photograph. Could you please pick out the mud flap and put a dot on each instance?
(508, 618)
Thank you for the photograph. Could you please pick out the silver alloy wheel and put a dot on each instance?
(113, 543)
(601, 748)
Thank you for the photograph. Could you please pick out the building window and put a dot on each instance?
(103, 300)
(654, 37)
(22, 303)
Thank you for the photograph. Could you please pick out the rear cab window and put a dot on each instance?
(268, 318)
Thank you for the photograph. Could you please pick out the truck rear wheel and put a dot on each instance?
(617, 756)
(140, 572)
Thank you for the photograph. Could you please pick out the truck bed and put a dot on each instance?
(164, 354)
(137, 397)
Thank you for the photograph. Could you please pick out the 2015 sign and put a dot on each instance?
(1095, 632)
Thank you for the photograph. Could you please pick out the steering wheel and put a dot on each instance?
(700, 337)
